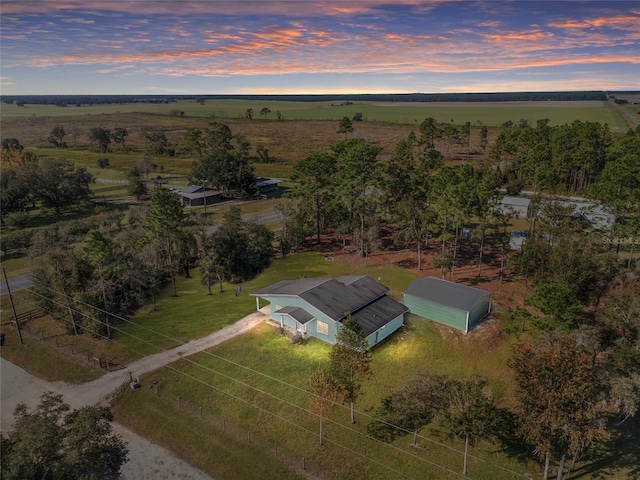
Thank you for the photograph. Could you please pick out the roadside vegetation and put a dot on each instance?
(553, 371)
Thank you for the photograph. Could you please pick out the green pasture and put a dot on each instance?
(491, 114)
(119, 162)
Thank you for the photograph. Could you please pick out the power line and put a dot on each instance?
(244, 367)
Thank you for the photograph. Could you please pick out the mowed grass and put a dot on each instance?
(487, 113)
(193, 313)
(258, 382)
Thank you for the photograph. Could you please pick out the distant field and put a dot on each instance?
(491, 113)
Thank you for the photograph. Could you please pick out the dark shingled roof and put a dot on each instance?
(378, 313)
(446, 293)
(191, 189)
(299, 314)
(290, 287)
(359, 295)
(335, 299)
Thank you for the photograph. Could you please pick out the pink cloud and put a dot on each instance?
(83, 21)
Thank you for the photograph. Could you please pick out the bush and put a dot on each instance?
(17, 220)
(16, 240)
(103, 163)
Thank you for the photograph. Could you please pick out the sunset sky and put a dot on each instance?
(308, 46)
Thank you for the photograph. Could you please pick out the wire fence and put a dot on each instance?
(297, 462)
(63, 342)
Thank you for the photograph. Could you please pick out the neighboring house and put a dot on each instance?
(515, 206)
(449, 303)
(195, 195)
(591, 214)
(317, 306)
(266, 185)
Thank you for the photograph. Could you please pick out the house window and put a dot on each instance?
(322, 327)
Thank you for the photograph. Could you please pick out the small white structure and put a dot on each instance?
(517, 239)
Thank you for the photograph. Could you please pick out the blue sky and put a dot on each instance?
(298, 46)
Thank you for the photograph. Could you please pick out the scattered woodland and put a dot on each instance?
(575, 361)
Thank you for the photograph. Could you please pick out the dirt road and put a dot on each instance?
(146, 460)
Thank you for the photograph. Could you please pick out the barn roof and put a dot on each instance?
(516, 201)
(262, 182)
(450, 294)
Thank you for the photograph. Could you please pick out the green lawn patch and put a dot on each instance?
(205, 446)
(194, 313)
(257, 383)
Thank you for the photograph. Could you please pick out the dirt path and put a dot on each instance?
(146, 460)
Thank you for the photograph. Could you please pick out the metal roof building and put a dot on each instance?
(452, 304)
(515, 206)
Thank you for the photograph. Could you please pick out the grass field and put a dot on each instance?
(491, 114)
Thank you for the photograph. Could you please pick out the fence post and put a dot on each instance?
(224, 424)
(248, 436)
(304, 463)
(179, 406)
(276, 445)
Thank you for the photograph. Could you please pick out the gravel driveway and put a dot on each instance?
(146, 459)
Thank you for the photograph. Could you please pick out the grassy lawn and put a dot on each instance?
(194, 313)
(206, 447)
(256, 382)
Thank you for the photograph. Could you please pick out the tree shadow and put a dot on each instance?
(507, 437)
(618, 457)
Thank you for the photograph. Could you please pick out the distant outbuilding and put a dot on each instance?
(515, 206)
(449, 303)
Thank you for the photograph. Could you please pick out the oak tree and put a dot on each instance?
(53, 442)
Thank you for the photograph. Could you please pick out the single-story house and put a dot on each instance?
(195, 195)
(591, 214)
(266, 185)
(449, 303)
(515, 206)
(317, 306)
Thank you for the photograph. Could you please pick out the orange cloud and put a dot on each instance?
(624, 22)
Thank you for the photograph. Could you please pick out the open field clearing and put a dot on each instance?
(490, 113)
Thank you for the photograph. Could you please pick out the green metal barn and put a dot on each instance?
(449, 303)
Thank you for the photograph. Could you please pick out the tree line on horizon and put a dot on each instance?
(78, 100)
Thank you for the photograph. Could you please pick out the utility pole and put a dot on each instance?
(204, 194)
(15, 315)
